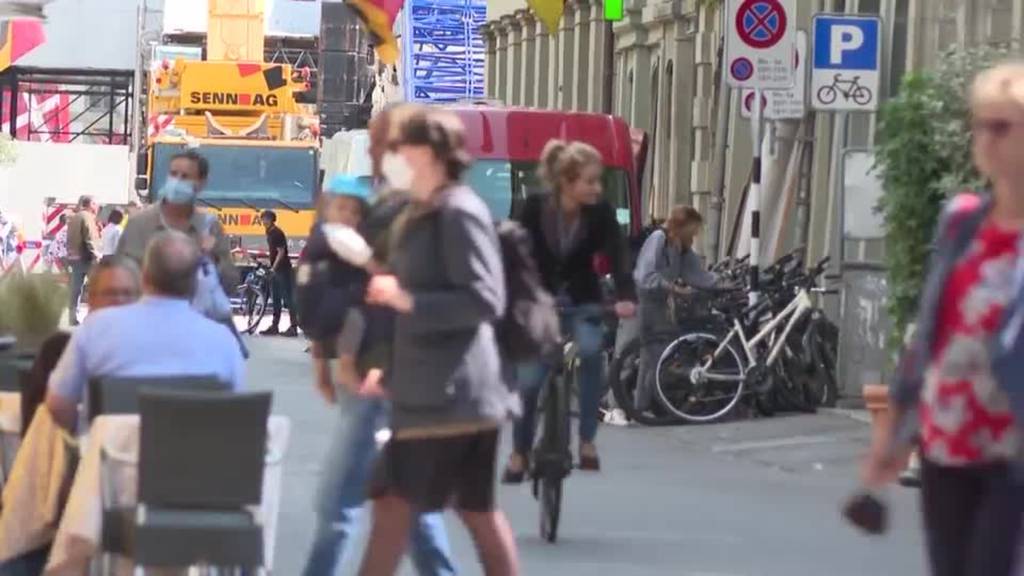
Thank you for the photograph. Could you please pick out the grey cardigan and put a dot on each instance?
(659, 265)
(446, 371)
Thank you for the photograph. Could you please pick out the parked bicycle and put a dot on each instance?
(690, 311)
(250, 300)
(772, 350)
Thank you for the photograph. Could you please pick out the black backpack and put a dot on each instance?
(529, 329)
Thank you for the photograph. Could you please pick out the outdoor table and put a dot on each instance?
(78, 537)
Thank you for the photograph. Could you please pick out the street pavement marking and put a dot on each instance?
(775, 443)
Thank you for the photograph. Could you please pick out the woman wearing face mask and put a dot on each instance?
(667, 264)
(958, 393)
(570, 226)
(447, 396)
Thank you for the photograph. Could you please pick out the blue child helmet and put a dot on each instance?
(348, 185)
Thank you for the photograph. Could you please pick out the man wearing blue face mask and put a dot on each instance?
(174, 208)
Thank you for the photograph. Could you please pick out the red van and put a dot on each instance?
(507, 143)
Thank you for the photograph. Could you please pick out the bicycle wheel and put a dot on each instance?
(250, 305)
(819, 358)
(623, 379)
(789, 384)
(827, 94)
(550, 508)
(699, 395)
(861, 95)
(824, 373)
(552, 460)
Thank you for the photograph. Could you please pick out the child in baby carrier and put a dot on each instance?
(331, 281)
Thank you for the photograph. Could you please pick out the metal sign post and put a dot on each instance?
(759, 48)
(755, 200)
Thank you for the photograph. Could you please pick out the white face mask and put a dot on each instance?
(397, 171)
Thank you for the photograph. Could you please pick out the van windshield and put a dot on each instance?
(504, 186)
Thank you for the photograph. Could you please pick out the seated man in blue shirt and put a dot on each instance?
(161, 335)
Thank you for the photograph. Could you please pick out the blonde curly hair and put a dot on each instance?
(562, 161)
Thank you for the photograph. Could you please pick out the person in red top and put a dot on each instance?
(965, 417)
(968, 435)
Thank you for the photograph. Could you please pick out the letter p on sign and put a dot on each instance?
(844, 39)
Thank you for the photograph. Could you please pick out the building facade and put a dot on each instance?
(658, 70)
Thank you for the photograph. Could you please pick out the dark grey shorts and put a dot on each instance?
(437, 473)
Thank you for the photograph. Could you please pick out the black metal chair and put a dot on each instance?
(200, 475)
(119, 395)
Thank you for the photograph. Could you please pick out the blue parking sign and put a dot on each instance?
(845, 66)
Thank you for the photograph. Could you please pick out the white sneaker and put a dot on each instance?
(616, 417)
(382, 436)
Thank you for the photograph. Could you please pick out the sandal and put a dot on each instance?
(515, 476)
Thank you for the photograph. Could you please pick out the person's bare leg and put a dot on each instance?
(392, 520)
(494, 541)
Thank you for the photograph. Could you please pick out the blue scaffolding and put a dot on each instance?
(442, 50)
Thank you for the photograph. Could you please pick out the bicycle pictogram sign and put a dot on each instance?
(849, 88)
(761, 23)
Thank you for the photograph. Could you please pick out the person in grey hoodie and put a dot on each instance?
(448, 398)
(666, 265)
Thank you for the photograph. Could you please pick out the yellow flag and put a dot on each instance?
(549, 12)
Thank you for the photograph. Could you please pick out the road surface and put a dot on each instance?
(750, 498)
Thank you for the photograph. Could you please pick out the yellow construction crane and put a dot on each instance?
(241, 113)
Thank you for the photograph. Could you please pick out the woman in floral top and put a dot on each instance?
(959, 391)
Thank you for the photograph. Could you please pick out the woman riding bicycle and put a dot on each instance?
(667, 264)
(570, 226)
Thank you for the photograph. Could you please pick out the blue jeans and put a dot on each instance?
(79, 271)
(281, 296)
(342, 494)
(587, 331)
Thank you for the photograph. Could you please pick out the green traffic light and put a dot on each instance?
(613, 10)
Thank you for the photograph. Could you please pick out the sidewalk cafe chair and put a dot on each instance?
(200, 479)
(119, 395)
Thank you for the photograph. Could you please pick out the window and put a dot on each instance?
(869, 6)
(669, 100)
(492, 179)
(655, 151)
(898, 52)
(504, 186)
(627, 98)
(998, 21)
(264, 176)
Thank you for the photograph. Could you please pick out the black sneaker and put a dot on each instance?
(291, 332)
(272, 331)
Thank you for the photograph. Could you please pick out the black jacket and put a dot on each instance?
(601, 234)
